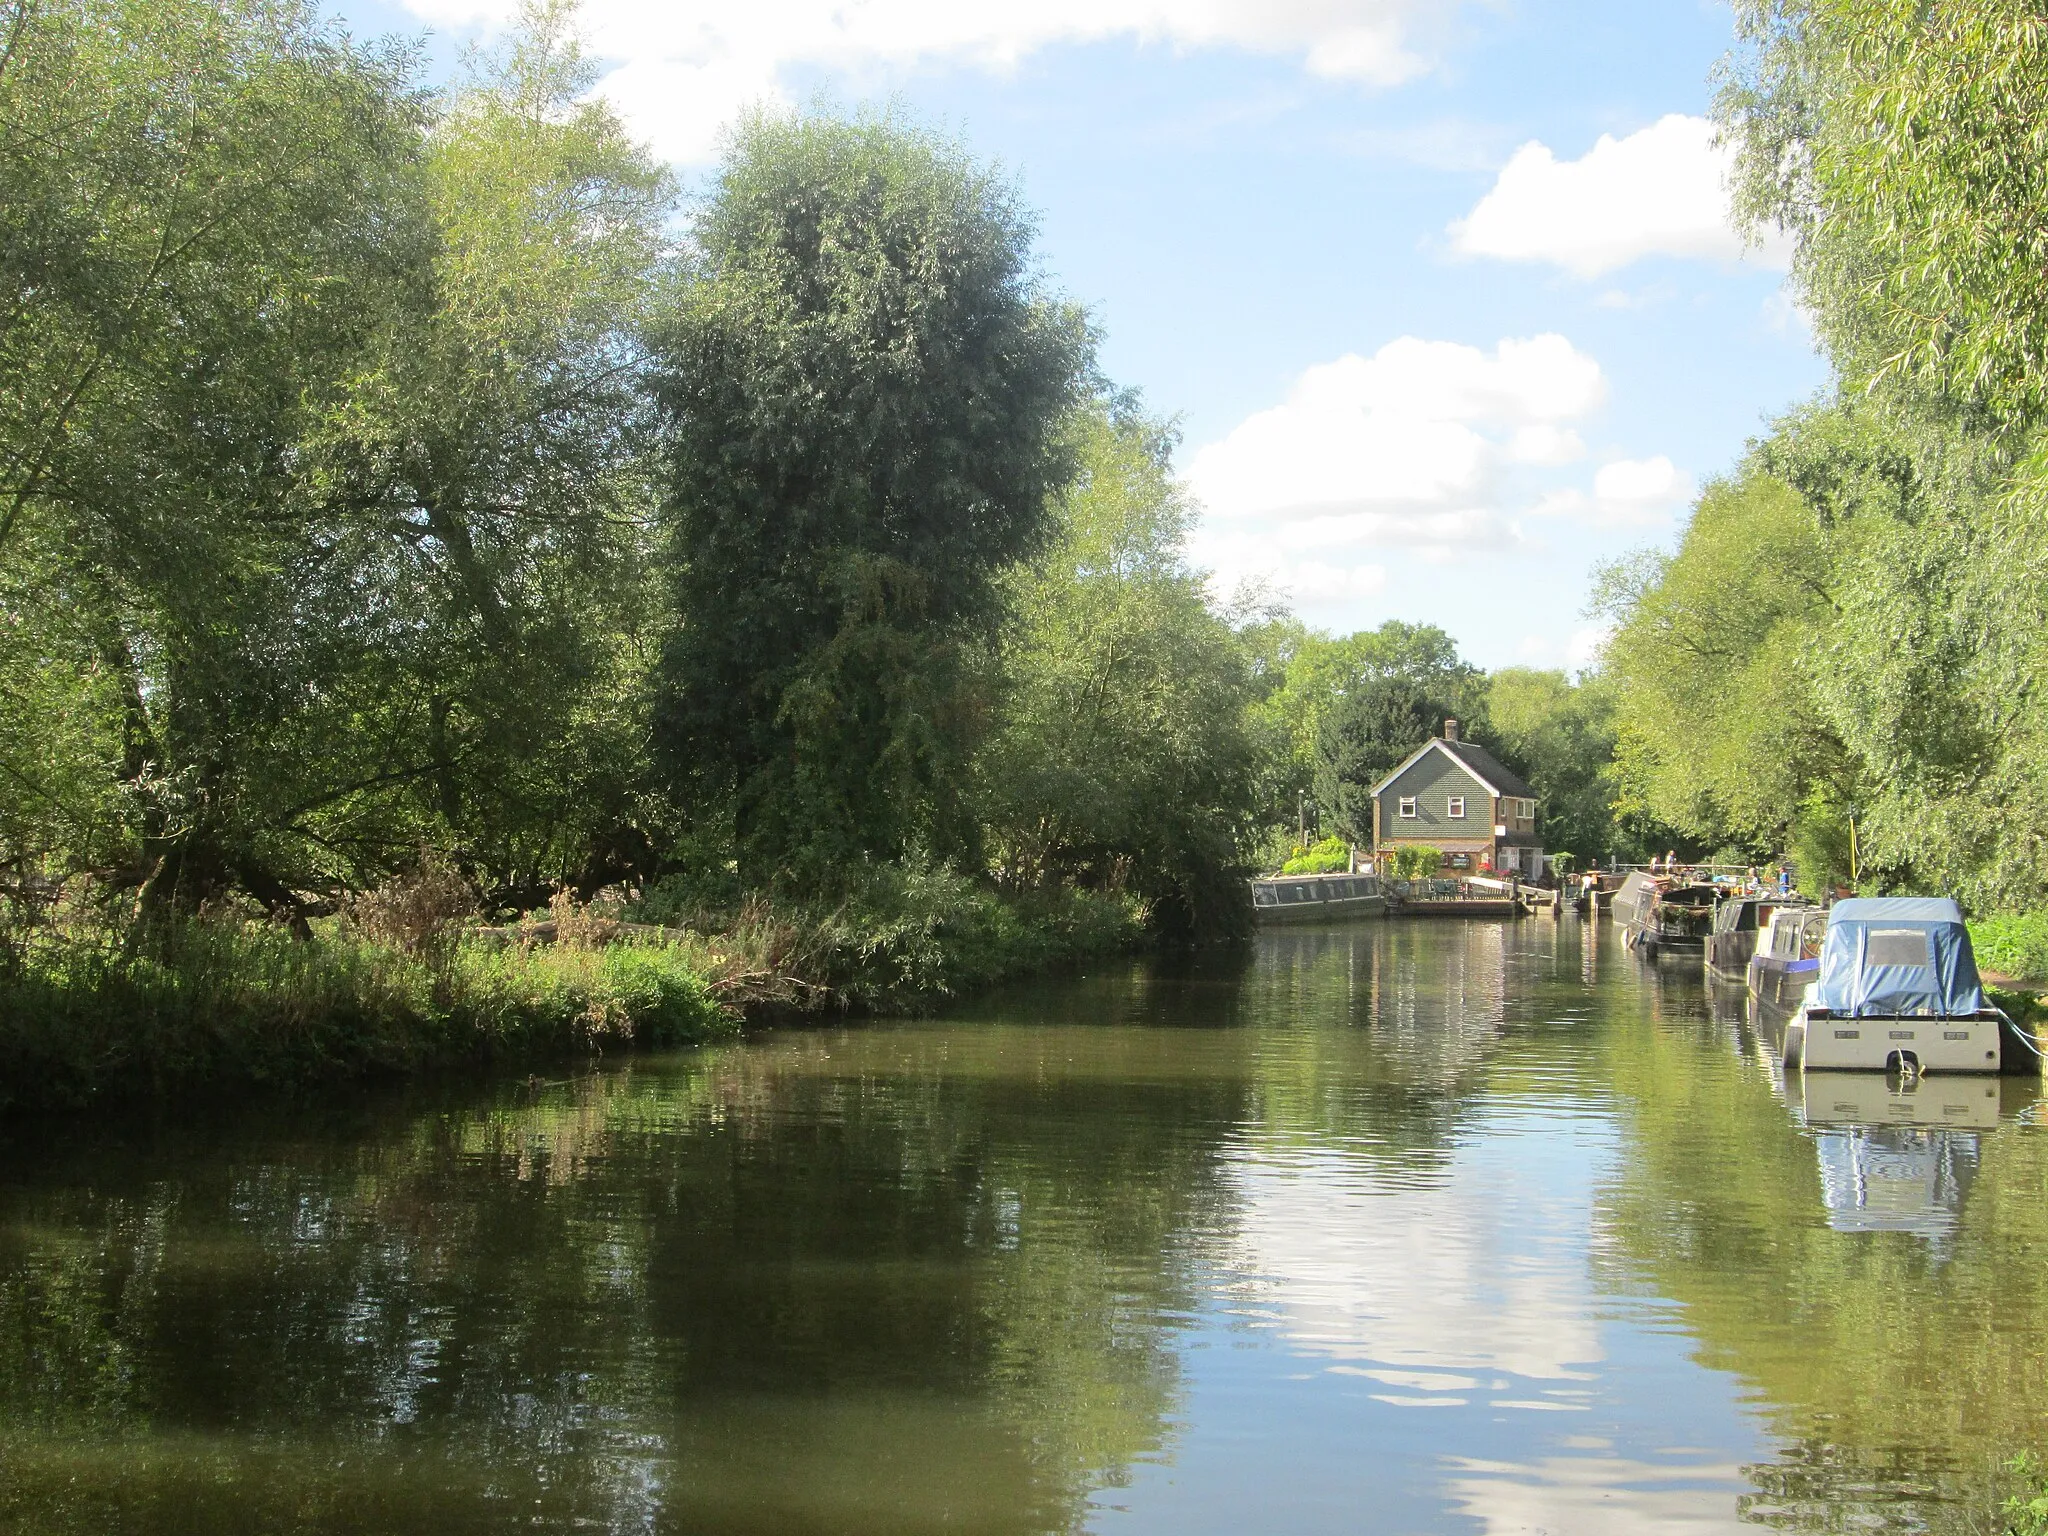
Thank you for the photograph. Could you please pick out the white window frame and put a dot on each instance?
(1455, 808)
(1525, 810)
(1409, 809)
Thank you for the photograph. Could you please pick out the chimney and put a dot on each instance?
(1450, 730)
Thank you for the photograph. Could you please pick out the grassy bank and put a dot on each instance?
(2014, 945)
(89, 1014)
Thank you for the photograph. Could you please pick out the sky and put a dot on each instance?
(1442, 292)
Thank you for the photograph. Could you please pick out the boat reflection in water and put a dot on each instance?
(1896, 1154)
(1895, 1157)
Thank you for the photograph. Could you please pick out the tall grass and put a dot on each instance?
(399, 985)
(2015, 945)
(210, 1004)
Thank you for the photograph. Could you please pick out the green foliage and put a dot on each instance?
(863, 385)
(1904, 144)
(1414, 861)
(213, 1005)
(1364, 734)
(1331, 855)
(907, 938)
(1560, 735)
(1899, 145)
(319, 429)
(1337, 713)
(1715, 710)
(1122, 757)
(2026, 1513)
(1311, 672)
(2015, 945)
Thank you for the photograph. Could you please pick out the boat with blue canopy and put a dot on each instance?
(1897, 990)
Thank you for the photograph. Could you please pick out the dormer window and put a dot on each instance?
(1408, 807)
(1456, 809)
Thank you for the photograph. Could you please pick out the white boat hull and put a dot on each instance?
(1823, 1042)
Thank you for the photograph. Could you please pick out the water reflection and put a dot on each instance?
(1853, 1255)
(1409, 1226)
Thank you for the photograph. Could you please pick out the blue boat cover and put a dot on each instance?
(1898, 957)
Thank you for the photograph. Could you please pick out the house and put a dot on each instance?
(1456, 796)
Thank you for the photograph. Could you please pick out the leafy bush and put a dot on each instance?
(903, 937)
(2017, 945)
(2026, 1512)
(1331, 856)
(1417, 863)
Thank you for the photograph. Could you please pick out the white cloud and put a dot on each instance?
(1661, 191)
(1629, 493)
(1649, 482)
(1584, 648)
(1602, 1496)
(1405, 451)
(1545, 443)
(1420, 424)
(687, 65)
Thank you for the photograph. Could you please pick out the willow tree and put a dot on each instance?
(863, 385)
(193, 237)
(316, 440)
(1905, 144)
(1902, 145)
(1123, 755)
(486, 472)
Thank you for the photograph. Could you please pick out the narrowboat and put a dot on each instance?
(1664, 913)
(1897, 990)
(1738, 921)
(1317, 898)
(1787, 957)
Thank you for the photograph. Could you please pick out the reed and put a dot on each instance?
(406, 982)
(205, 1005)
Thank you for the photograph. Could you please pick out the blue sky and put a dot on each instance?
(1442, 294)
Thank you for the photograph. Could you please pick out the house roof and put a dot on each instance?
(1474, 759)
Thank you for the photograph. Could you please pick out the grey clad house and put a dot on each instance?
(1458, 797)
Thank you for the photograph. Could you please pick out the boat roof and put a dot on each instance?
(1899, 957)
(1900, 909)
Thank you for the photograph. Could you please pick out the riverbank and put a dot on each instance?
(214, 1005)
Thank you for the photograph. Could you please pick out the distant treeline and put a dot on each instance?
(1845, 656)
(395, 477)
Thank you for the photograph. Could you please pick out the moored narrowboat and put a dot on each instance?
(1787, 957)
(1317, 898)
(1659, 913)
(1897, 990)
(1738, 923)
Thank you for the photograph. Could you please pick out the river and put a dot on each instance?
(1406, 1226)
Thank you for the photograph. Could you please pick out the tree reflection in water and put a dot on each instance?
(1434, 1224)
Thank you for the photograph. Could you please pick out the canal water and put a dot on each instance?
(1406, 1226)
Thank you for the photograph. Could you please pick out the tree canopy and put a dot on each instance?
(863, 386)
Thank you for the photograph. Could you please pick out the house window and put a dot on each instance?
(1408, 806)
(1525, 809)
(1456, 808)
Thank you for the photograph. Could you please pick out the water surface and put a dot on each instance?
(1399, 1227)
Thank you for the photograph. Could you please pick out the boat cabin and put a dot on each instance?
(1659, 912)
(1317, 898)
(1739, 924)
(1896, 990)
(1787, 957)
